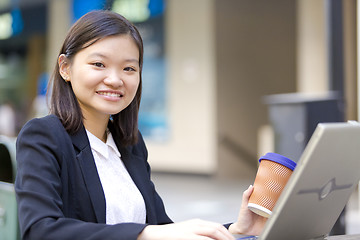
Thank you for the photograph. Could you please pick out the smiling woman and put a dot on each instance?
(104, 78)
(82, 171)
(88, 31)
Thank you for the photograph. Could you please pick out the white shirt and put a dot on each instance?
(124, 202)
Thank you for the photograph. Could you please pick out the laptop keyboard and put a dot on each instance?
(248, 238)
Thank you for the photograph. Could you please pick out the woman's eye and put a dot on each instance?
(98, 64)
(130, 69)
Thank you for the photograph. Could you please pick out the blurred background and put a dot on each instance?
(224, 82)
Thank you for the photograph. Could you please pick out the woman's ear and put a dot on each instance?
(64, 67)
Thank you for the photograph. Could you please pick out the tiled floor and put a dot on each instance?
(214, 199)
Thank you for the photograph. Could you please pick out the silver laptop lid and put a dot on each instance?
(320, 186)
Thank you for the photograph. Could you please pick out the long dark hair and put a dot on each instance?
(90, 28)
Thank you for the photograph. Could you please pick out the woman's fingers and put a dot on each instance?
(248, 222)
(212, 230)
(188, 230)
(246, 195)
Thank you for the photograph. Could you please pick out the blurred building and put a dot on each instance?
(207, 66)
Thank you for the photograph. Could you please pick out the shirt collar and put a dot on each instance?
(103, 148)
(111, 143)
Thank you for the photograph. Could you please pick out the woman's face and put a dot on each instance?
(104, 76)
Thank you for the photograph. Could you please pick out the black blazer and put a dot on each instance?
(58, 190)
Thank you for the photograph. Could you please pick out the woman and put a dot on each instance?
(82, 170)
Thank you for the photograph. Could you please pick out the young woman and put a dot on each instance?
(82, 170)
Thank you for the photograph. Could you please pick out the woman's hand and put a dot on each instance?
(189, 230)
(248, 222)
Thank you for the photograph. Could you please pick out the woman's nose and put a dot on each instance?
(114, 79)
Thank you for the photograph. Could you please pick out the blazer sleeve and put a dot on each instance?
(38, 187)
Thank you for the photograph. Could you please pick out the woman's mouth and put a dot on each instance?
(111, 94)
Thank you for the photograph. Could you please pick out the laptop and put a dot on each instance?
(320, 186)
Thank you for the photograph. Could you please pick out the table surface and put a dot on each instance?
(344, 237)
(339, 237)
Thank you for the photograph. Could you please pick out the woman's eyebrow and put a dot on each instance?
(97, 54)
(132, 60)
(101, 55)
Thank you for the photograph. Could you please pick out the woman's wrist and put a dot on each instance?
(234, 229)
(150, 232)
(144, 235)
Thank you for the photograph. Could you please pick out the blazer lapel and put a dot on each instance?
(90, 174)
(138, 172)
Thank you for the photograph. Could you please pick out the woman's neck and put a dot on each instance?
(97, 127)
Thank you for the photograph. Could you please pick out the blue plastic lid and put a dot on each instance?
(279, 159)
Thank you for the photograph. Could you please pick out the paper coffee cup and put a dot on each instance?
(273, 173)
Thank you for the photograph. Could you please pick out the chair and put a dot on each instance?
(9, 227)
(7, 159)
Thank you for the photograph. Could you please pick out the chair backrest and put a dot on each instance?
(9, 227)
(7, 159)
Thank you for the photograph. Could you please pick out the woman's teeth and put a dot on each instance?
(110, 94)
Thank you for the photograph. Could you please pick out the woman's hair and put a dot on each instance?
(90, 28)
